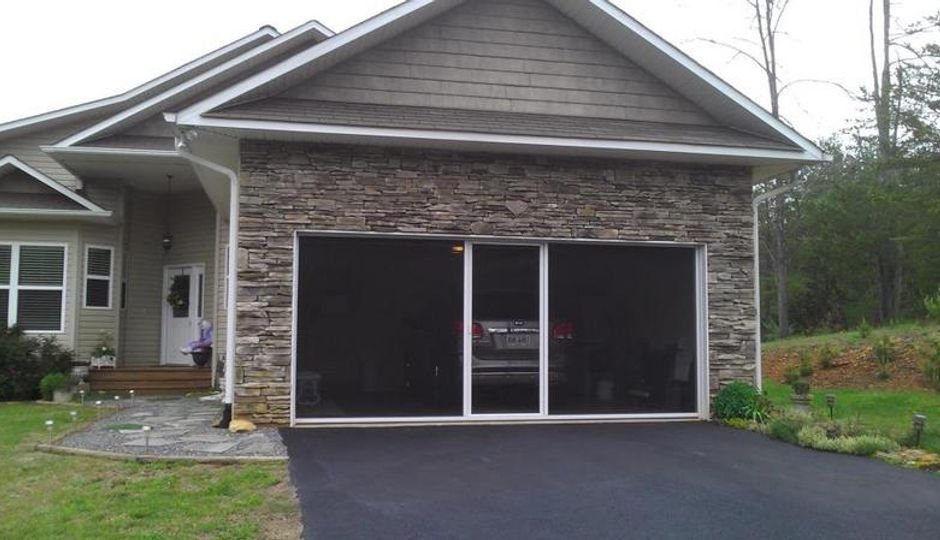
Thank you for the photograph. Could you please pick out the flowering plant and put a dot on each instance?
(103, 347)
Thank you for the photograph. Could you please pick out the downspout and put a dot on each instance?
(232, 297)
(758, 369)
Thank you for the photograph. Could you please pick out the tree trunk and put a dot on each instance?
(891, 279)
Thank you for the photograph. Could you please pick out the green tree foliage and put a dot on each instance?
(864, 230)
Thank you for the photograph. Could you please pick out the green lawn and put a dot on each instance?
(885, 411)
(47, 496)
(916, 330)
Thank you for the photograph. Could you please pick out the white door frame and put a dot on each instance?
(198, 269)
(467, 417)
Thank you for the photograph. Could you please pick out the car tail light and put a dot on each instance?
(476, 329)
(563, 330)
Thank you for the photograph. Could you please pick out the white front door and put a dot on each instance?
(182, 300)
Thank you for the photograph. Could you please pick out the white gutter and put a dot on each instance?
(231, 311)
(758, 369)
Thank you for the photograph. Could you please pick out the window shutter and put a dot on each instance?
(42, 265)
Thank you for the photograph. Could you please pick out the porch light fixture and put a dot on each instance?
(457, 249)
(918, 422)
(167, 240)
(831, 403)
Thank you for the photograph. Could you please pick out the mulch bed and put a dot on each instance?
(854, 367)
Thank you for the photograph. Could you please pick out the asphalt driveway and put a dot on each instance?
(597, 481)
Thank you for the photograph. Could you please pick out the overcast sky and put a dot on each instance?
(58, 53)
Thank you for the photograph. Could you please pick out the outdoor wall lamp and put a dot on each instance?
(919, 422)
(167, 241)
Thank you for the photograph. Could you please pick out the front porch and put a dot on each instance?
(151, 380)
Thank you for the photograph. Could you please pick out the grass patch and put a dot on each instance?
(48, 496)
(840, 340)
(884, 411)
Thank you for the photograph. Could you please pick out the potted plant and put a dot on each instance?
(56, 387)
(103, 353)
(801, 398)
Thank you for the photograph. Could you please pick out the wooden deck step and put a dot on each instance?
(151, 380)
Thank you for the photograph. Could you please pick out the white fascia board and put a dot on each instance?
(49, 213)
(134, 92)
(11, 161)
(705, 75)
(105, 151)
(152, 105)
(652, 150)
(301, 59)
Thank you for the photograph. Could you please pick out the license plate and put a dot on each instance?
(519, 341)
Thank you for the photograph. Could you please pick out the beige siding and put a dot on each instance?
(221, 264)
(143, 267)
(191, 221)
(521, 56)
(93, 322)
(26, 147)
(59, 233)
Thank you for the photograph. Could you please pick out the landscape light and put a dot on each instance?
(918, 422)
(49, 425)
(73, 415)
(831, 403)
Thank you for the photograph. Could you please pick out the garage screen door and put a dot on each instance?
(384, 325)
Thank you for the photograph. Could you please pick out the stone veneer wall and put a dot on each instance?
(294, 186)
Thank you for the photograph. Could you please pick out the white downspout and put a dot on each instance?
(231, 312)
(758, 368)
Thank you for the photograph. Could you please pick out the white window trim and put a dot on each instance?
(15, 288)
(109, 278)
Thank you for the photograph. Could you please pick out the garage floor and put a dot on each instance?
(597, 481)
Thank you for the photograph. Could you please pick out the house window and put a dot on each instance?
(32, 286)
(98, 261)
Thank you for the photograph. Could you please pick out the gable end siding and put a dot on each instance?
(522, 57)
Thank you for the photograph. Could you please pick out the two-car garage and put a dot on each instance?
(432, 329)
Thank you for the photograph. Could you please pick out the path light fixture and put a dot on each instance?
(918, 422)
(73, 415)
(98, 408)
(49, 426)
(81, 393)
(132, 396)
(146, 430)
(117, 401)
(831, 403)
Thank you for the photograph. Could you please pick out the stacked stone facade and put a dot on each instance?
(289, 187)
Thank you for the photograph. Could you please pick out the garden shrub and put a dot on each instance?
(786, 427)
(25, 360)
(800, 387)
(932, 305)
(932, 366)
(741, 400)
(883, 351)
(827, 357)
(806, 364)
(52, 382)
(791, 374)
(860, 445)
(864, 329)
(739, 423)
